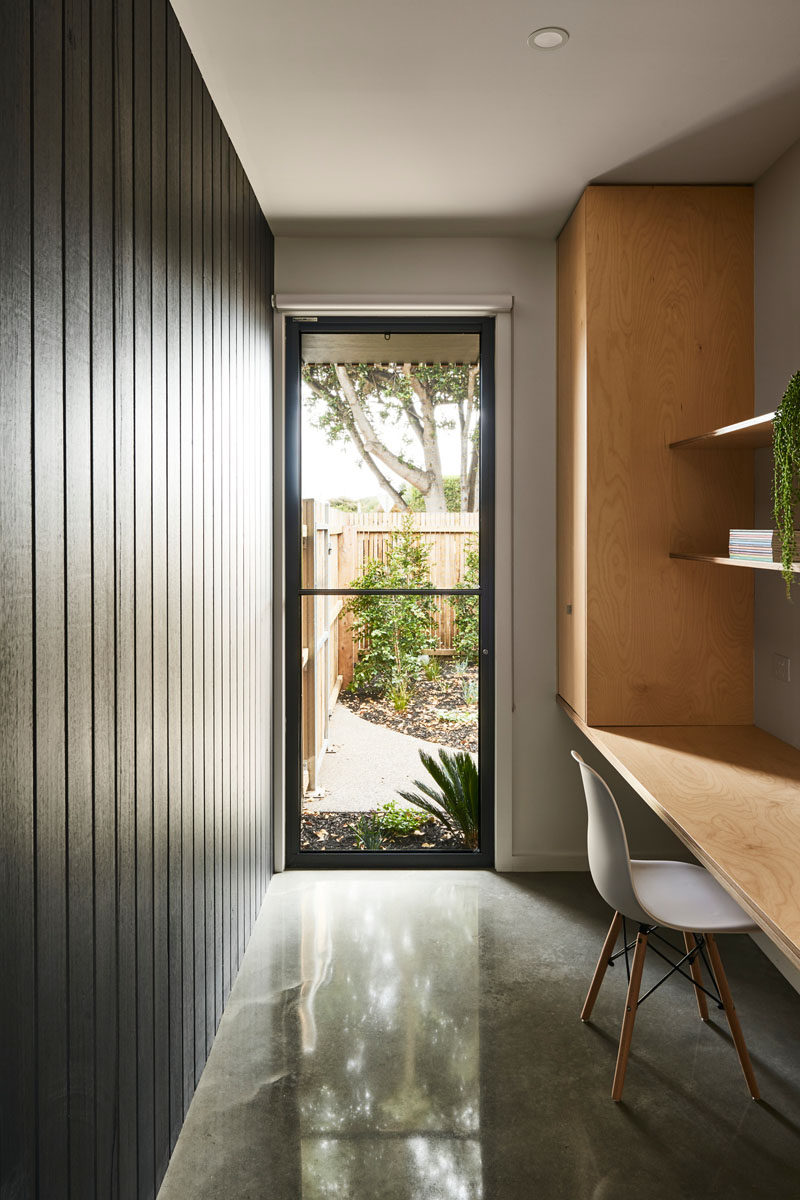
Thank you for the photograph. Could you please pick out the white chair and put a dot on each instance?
(672, 895)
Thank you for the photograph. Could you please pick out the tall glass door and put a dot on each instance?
(389, 601)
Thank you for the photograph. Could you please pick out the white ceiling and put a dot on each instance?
(434, 117)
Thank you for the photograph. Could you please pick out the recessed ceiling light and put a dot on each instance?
(550, 37)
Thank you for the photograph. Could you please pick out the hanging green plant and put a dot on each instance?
(786, 450)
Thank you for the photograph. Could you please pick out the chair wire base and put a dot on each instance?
(675, 967)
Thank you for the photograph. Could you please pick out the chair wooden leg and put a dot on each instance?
(730, 1013)
(602, 964)
(697, 975)
(631, 1004)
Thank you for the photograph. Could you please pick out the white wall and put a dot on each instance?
(547, 807)
(777, 345)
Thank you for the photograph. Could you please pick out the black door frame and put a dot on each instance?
(295, 857)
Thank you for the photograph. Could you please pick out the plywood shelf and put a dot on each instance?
(744, 435)
(732, 795)
(734, 562)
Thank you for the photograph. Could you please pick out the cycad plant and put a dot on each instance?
(456, 801)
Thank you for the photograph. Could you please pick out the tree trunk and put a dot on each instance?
(435, 500)
(472, 480)
(469, 473)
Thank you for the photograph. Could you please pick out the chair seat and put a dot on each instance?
(684, 896)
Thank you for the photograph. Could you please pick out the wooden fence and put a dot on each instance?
(335, 550)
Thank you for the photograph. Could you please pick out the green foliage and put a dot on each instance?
(452, 495)
(456, 803)
(365, 504)
(400, 694)
(388, 411)
(397, 630)
(786, 450)
(431, 667)
(467, 609)
(397, 820)
(369, 832)
(454, 716)
(469, 690)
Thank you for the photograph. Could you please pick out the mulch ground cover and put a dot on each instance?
(333, 831)
(437, 711)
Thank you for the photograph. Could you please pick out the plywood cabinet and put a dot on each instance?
(655, 344)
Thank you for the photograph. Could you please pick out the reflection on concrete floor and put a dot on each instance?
(414, 1035)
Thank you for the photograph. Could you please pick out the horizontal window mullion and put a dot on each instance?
(389, 592)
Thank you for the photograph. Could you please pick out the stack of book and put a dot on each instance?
(758, 545)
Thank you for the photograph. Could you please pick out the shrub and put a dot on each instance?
(457, 802)
(467, 609)
(369, 832)
(398, 820)
(400, 694)
(396, 631)
(431, 667)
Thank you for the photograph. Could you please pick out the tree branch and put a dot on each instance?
(430, 444)
(418, 479)
(343, 412)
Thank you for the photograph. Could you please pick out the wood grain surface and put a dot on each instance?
(571, 462)
(724, 561)
(669, 350)
(732, 795)
(136, 333)
(750, 435)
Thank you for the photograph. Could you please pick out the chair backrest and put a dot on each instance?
(609, 857)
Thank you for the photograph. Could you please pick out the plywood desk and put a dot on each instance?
(732, 795)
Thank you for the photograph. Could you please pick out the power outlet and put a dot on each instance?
(780, 667)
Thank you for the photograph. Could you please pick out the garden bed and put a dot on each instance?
(334, 831)
(437, 711)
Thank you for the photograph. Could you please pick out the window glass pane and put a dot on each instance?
(378, 688)
(390, 487)
(391, 444)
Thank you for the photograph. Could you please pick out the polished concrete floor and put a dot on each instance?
(413, 1035)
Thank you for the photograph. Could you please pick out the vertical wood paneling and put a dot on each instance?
(246, 514)
(233, 586)
(49, 672)
(175, 947)
(225, 682)
(241, 798)
(161, 974)
(17, 646)
(198, 643)
(78, 599)
(186, 581)
(135, 520)
(125, 604)
(143, 588)
(216, 227)
(103, 574)
(208, 570)
(258, 649)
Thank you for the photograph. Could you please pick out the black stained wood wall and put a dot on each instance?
(135, 281)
